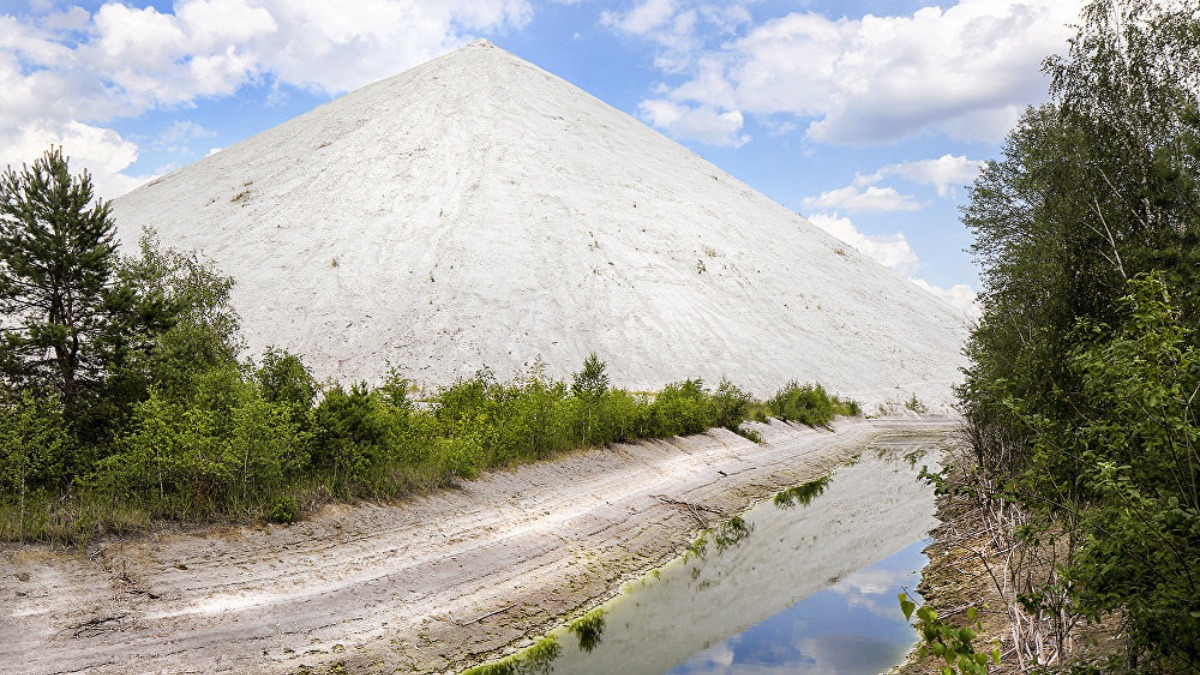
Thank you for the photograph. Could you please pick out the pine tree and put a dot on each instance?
(57, 262)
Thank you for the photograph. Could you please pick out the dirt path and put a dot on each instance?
(429, 585)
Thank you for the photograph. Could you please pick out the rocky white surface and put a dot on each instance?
(478, 210)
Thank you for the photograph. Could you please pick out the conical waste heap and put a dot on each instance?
(477, 210)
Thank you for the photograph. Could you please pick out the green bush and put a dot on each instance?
(732, 405)
(352, 434)
(215, 439)
(34, 449)
(284, 379)
(681, 408)
(808, 404)
(285, 511)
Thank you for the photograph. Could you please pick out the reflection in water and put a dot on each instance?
(536, 660)
(851, 627)
(803, 493)
(589, 628)
(726, 535)
(813, 591)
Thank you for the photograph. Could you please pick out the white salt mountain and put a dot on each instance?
(477, 210)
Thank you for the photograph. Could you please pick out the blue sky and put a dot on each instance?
(867, 116)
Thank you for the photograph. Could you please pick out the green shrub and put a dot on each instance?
(285, 511)
(351, 434)
(34, 448)
(285, 379)
(808, 404)
(681, 408)
(731, 404)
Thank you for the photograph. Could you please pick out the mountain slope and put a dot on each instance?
(478, 210)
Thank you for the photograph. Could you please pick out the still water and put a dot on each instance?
(804, 588)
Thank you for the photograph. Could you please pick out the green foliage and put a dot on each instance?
(808, 404)
(284, 379)
(1137, 467)
(57, 256)
(33, 445)
(352, 434)
(749, 434)
(591, 381)
(1078, 397)
(190, 457)
(1092, 189)
(915, 405)
(681, 408)
(954, 646)
(732, 404)
(173, 320)
(285, 511)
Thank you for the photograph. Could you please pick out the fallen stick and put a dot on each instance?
(489, 614)
(692, 508)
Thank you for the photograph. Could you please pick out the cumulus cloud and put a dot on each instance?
(967, 70)
(643, 17)
(65, 73)
(961, 296)
(890, 250)
(679, 28)
(102, 152)
(854, 199)
(894, 252)
(701, 123)
(944, 173)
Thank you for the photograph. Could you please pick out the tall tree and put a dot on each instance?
(57, 258)
(1093, 188)
(1080, 394)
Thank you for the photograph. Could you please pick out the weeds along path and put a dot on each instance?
(430, 584)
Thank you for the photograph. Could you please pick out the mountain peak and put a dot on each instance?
(469, 213)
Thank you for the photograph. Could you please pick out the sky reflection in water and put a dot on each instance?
(806, 589)
(853, 627)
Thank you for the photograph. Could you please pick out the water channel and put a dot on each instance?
(803, 587)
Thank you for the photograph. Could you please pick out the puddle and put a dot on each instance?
(800, 588)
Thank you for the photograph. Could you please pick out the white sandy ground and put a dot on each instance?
(427, 585)
(479, 210)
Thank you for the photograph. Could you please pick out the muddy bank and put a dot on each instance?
(428, 585)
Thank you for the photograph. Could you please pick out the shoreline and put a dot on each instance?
(432, 584)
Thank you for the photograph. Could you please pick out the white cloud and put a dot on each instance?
(701, 123)
(176, 136)
(894, 252)
(853, 199)
(643, 18)
(890, 250)
(70, 71)
(967, 70)
(102, 152)
(679, 28)
(946, 173)
(961, 296)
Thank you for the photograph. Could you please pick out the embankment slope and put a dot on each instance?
(429, 584)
